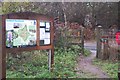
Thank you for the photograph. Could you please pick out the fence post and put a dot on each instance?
(82, 40)
(118, 60)
(118, 53)
(0, 48)
(98, 42)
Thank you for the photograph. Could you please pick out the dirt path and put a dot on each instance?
(86, 69)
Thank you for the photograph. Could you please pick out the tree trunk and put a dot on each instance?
(65, 18)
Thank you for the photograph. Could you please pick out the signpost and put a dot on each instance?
(25, 31)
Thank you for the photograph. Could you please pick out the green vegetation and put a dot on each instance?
(35, 64)
(86, 52)
(110, 67)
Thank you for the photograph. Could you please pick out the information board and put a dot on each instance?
(20, 33)
(25, 31)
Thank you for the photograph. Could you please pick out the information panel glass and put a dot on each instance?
(44, 33)
(20, 33)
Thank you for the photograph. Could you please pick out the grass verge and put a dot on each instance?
(111, 68)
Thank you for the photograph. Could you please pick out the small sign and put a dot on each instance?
(104, 39)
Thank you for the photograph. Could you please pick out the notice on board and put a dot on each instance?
(44, 33)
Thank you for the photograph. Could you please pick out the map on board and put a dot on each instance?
(20, 33)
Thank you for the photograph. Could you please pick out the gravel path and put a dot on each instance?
(86, 69)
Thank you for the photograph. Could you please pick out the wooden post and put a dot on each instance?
(118, 60)
(52, 49)
(2, 49)
(118, 52)
(52, 58)
(82, 40)
(49, 60)
(98, 43)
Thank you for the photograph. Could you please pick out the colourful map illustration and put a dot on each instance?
(23, 33)
(20, 32)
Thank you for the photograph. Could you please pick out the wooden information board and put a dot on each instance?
(25, 31)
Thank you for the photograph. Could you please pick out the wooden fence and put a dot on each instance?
(69, 37)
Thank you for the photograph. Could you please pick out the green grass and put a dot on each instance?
(111, 68)
(86, 52)
(35, 64)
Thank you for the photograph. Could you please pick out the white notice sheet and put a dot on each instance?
(47, 35)
(42, 23)
(47, 41)
(42, 33)
(47, 25)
